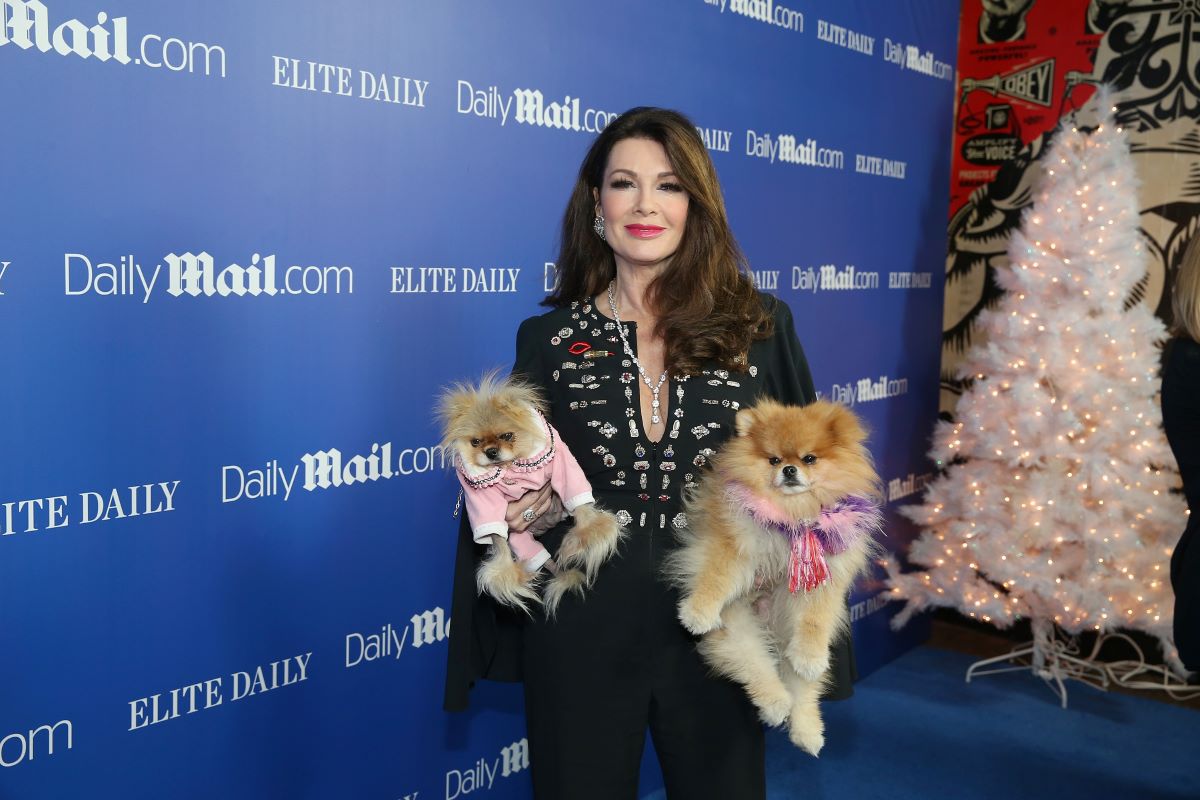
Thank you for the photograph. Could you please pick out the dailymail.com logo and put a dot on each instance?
(197, 275)
(27, 25)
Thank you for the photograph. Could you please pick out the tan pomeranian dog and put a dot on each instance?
(503, 446)
(776, 535)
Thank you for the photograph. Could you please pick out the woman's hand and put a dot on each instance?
(546, 507)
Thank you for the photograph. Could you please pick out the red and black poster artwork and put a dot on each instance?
(1019, 67)
(1028, 68)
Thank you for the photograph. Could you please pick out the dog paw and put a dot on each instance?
(774, 710)
(507, 582)
(806, 729)
(695, 620)
(808, 666)
(808, 740)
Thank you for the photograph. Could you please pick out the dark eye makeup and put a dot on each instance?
(626, 183)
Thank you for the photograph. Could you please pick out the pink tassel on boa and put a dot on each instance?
(833, 532)
(807, 565)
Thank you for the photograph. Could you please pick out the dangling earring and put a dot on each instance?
(598, 227)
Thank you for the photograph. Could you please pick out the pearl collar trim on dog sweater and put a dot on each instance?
(480, 477)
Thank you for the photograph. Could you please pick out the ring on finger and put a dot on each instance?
(528, 515)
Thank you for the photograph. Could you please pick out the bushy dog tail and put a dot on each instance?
(505, 579)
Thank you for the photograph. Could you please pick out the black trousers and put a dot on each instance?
(610, 668)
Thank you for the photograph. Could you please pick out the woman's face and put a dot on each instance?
(644, 206)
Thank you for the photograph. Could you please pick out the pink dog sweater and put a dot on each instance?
(488, 491)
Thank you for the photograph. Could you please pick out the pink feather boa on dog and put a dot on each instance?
(834, 531)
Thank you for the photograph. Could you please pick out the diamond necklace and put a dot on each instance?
(655, 419)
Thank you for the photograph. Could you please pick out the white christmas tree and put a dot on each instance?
(1055, 501)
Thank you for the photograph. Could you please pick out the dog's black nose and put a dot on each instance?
(789, 472)
(492, 452)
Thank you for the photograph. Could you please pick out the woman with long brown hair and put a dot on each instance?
(656, 338)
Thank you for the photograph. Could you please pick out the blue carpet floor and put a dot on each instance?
(915, 729)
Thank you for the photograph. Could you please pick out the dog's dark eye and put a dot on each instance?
(506, 437)
(774, 460)
(474, 443)
(809, 459)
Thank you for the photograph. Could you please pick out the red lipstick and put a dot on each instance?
(644, 231)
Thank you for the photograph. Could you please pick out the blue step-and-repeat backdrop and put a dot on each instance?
(242, 245)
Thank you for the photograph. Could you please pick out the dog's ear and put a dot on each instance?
(510, 404)
(744, 421)
(847, 428)
(453, 404)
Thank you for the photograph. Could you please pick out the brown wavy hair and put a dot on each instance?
(707, 306)
(1185, 295)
